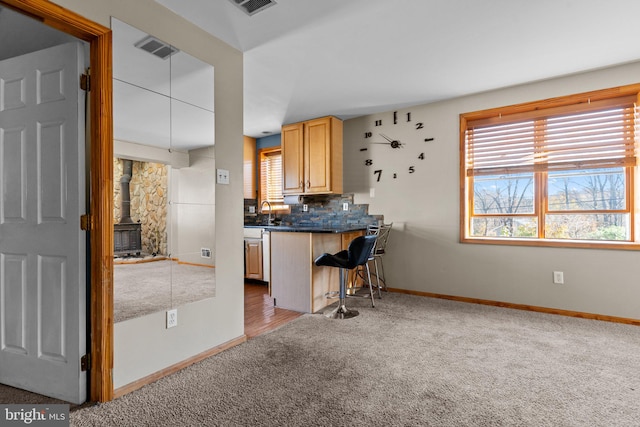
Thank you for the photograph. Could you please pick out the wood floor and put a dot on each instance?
(260, 315)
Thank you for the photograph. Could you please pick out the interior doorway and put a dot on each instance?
(43, 277)
(96, 222)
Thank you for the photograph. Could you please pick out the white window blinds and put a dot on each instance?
(591, 135)
(271, 177)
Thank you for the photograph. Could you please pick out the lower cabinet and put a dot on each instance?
(253, 259)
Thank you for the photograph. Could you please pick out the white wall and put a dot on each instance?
(145, 153)
(193, 208)
(143, 346)
(424, 249)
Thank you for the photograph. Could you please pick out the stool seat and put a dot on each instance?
(340, 259)
(356, 254)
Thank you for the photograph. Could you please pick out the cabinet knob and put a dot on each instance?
(308, 184)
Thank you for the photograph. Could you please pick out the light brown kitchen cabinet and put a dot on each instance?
(249, 167)
(312, 157)
(253, 259)
(348, 236)
(292, 140)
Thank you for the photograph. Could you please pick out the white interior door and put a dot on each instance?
(42, 249)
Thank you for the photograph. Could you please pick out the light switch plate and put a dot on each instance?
(222, 176)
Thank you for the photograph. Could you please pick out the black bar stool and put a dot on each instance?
(358, 253)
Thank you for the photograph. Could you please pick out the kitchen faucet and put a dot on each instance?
(270, 209)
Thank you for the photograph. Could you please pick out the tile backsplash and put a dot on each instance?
(322, 211)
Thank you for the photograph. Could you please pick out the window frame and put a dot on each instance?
(263, 152)
(541, 177)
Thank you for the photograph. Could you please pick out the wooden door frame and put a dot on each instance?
(100, 320)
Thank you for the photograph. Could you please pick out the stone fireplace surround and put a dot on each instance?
(149, 189)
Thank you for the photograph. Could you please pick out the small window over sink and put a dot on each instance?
(270, 163)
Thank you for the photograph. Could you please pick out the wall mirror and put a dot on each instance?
(164, 175)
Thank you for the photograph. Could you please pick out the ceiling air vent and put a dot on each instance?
(156, 47)
(251, 7)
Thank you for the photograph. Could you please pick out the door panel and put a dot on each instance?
(42, 249)
(13, 179)
(51, 170)
(14, 290)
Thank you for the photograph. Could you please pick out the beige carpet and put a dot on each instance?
(144, 288)
(411, 361)
(17, 396)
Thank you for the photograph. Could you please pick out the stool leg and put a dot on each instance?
(342, 312)
(384, 278)
(375, 263)
(373, 304)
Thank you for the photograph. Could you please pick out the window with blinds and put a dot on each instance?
(556, 170)
(271, 178)
(599, 134)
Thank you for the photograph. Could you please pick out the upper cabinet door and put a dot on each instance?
(249, 167)
(317, 156)
(312, 156)
(293, 159)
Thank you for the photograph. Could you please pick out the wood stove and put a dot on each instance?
(127, 235)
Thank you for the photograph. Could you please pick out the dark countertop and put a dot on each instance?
(308, 229)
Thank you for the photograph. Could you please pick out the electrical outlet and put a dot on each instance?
(558, 277)
(305, 208)
(372, 192)
(345, 206)
(205, 253)
(172, 318)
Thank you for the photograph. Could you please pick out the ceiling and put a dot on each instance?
(310, 58)
(20, 34)
(306, 59)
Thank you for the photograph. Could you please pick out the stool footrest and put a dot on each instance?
(353, 292)
(332, 294)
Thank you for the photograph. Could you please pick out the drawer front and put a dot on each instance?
(253, 233)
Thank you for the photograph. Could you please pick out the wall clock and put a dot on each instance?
(402, 136)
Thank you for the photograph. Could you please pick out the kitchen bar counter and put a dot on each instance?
(308, 229)
(296, 282)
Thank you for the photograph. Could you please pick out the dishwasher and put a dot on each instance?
(266, 256)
